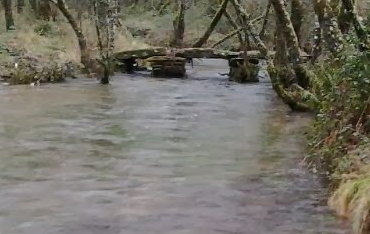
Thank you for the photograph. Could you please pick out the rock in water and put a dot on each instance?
(242, 72)
(167, 66)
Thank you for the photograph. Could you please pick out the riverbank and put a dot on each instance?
(338, 139)
(37, 51)
(43, 51)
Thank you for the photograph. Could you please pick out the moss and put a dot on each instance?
(294, 96)
(243, 72)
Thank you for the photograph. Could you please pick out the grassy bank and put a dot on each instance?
(48, 51)
(338, 139)
(154, 28)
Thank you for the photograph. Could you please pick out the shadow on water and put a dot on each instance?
(143, 155)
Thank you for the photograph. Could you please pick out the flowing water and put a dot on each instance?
(155, 156)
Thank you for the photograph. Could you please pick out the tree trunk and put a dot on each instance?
(179, 26)
(285, 73)
(241, 20)
(211, 10)
(317, 42)
(85, 58)
(242, 15)
(213, 24)
(265, 20)
(20, 6)
(120, 4)
(361, 33)
(291, 40)
(109, 46)
(43, 9)
(9, 21)
(344, 20)
(33, 4)
(233, 24)
(329, 26)
(105, 14)
(296, 17)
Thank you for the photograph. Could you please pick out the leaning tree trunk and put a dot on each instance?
(179, 26)
(246, 69)
(265, 20)
(9, 21)
(293, 95)
(344, 20)
(213, 24)
(32, 4)
(233, 24)
(292, 43)
(85, 58)
(242, 15)
(329, 26)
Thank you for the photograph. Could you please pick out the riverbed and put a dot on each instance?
(157, 156)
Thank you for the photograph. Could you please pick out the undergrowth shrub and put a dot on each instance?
(339, 147)
(44, 29)
(343, 89)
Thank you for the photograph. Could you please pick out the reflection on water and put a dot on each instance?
(146, 155)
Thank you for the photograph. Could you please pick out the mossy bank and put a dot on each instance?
(339, 145)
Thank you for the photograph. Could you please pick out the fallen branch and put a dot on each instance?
(233, 24)
(228, 36)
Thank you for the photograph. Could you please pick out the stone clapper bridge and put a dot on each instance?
(170, 62)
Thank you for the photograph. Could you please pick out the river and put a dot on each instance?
(155, 156)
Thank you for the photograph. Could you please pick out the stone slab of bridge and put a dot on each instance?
(170, 62)
(185, 53)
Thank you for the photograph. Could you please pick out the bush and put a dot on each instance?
(45, 29)
(343, 89)
(338, 140)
